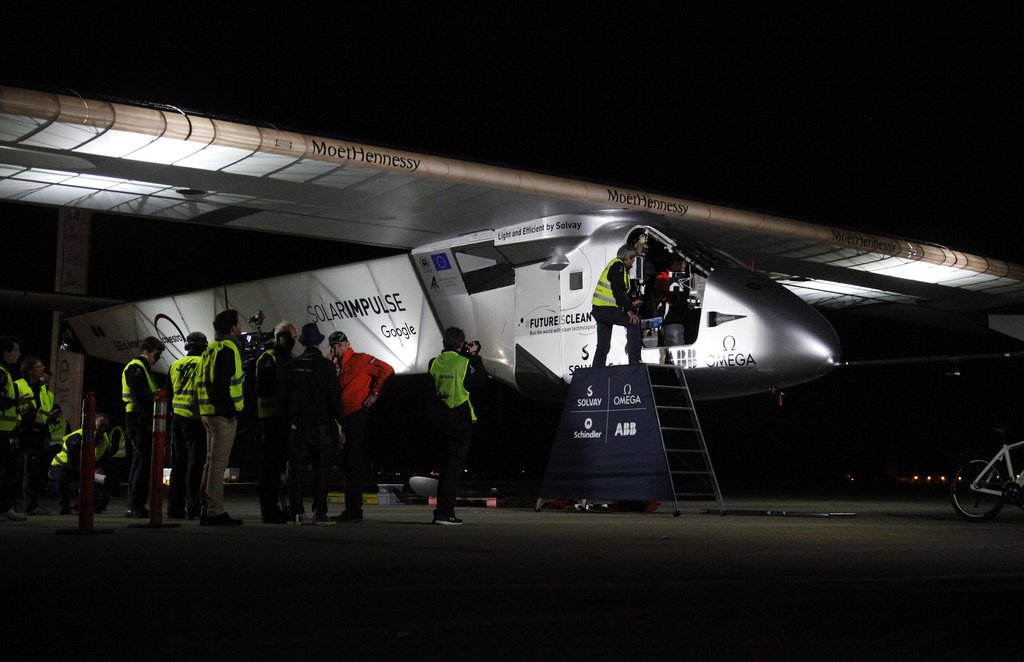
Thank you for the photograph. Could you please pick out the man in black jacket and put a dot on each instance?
(273, 426)
(310, 395)
(613, 305)
(138, 390)
(10, 347)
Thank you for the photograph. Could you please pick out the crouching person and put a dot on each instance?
(67, 464)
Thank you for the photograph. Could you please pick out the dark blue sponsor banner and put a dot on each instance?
(608, 444)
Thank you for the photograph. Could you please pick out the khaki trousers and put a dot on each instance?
(220, 437)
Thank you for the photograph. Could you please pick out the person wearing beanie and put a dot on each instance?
(309, 394)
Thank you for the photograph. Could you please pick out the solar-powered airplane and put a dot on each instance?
(512, 257)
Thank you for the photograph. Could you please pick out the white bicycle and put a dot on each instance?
(982, 486)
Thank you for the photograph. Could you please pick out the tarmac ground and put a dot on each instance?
(847, 577)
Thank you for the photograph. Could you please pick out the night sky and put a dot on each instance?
(894, 118)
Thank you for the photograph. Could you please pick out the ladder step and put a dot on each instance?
(688, 451)
(664, 429)
(671, 408)
(691, 473)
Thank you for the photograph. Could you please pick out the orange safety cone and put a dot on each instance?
(87, 472)
(156, 467)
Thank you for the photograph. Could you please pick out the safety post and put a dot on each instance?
(87, 471)
(87, 463)
(156, 466)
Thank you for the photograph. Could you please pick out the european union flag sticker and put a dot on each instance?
(441, 262)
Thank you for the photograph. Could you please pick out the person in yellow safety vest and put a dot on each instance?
(34, 433)
(188, 436)
(613, 304)
(66, 466)
(138, 390)
(10, 346)
(58, 427)
(456, 373)
(273, 426)
(219, 387)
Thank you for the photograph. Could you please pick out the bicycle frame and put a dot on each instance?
(1004, 455)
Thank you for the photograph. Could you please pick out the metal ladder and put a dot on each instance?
(693, 477)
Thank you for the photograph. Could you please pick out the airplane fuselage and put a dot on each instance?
(526, 293)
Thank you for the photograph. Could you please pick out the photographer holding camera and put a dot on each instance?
(455, 373)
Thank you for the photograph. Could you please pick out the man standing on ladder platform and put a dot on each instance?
(613, 305)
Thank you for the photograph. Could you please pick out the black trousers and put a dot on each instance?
(188, 456)
(607, 317)
(455, 440)
(273, 462)
(64, 476)
(353, 455)
(139, 430)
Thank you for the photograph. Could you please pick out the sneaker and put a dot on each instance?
(39, 510)
(349, 516)
(320, 517)
(451, 520)
(14, 516)
(295, 519)
(137, 514)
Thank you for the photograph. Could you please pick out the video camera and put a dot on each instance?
(254, 344)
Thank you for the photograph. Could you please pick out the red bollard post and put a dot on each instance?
(156, 467)
(156, 472)
(87, 464)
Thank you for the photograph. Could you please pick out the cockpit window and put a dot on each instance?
(706, 257)
(483, 267)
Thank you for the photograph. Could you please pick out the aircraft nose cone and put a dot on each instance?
(801, 340)
(816, 342)
(833, 353)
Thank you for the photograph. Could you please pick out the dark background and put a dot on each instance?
(895, 119)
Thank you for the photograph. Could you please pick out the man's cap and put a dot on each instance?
(311, 335)
(337, 337)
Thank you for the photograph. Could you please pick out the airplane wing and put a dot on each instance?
(167, 163)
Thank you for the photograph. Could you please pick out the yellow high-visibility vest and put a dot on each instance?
(9, 417)
(102, 443)
(204, 381)
(185, 402)
(42, 414)
(449, 372)
(603, 295)
(126, 394)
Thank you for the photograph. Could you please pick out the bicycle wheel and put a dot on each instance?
(970, 504)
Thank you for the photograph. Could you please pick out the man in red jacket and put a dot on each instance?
(362, 377)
